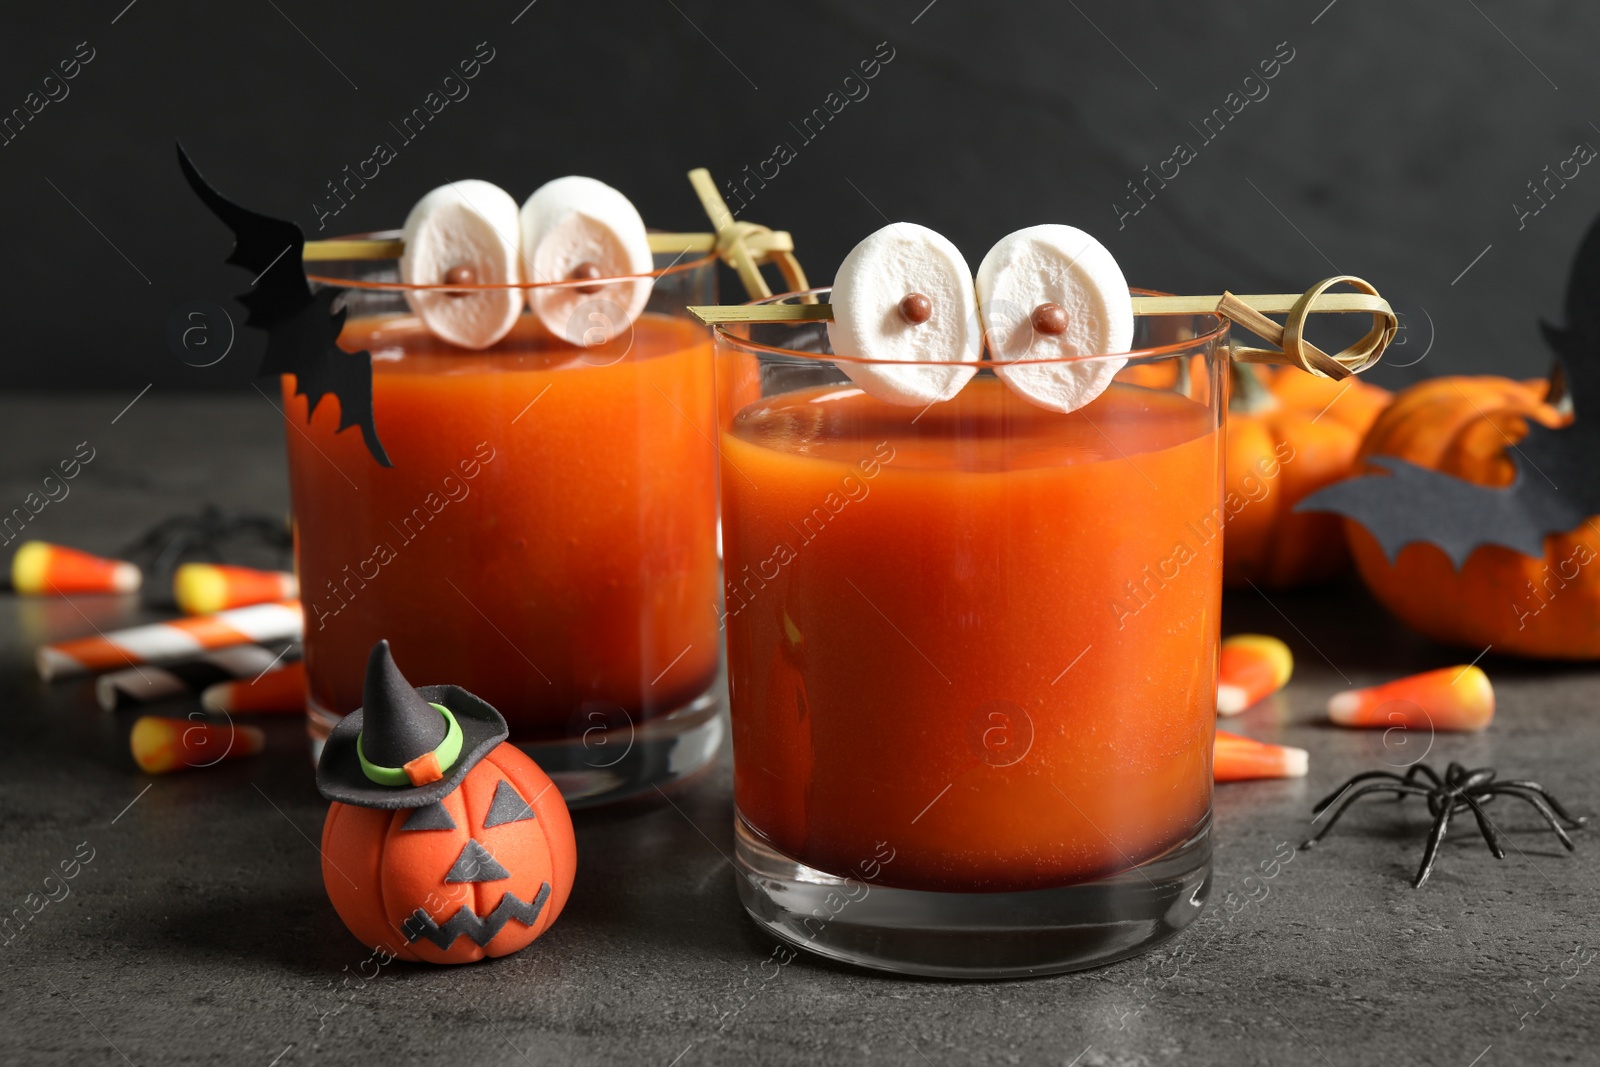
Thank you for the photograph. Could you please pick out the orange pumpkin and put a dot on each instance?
(1546, 608)
(481, 872)
(1289, 434)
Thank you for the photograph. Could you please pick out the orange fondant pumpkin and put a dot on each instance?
(480, 873)
(1549, 607)
(1289, 434)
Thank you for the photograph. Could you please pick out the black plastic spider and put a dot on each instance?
(1458, 791)
(211, 536)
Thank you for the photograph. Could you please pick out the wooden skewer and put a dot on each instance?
(733, 314)
(1265, 304)
(744, 246)
(1250, 312)
(326, 251)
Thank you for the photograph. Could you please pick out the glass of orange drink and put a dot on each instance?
(972, 654)
(546, 536)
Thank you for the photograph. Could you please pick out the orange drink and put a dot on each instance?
(972, 657)
(961, 585)
(545, 536)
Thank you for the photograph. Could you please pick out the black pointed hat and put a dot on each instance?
(405, 746)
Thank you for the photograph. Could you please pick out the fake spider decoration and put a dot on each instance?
(210, 536)
(1458, 791)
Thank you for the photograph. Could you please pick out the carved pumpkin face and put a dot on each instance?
(480, 873)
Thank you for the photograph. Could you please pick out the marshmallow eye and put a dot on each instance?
(1050, 293)
(580, 229)
(464, 233)
(904, 296)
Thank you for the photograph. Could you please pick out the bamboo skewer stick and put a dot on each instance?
(387, 248)
(744, 246)
(1249, 312)
(329, 251)
(1265, 303)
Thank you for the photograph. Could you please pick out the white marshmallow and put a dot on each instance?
(888, 265)
(1065, 266)
(572, 221)
(469, 224)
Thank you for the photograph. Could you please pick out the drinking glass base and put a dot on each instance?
(610, 763)
(973, 935)
(610, 758)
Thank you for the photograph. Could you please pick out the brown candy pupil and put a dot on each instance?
(586, 271)
(1050, 319)
(460, 274)
(916, 308)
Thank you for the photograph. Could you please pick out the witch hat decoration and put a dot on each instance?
(405, 747)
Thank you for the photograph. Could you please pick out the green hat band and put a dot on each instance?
(447, 753)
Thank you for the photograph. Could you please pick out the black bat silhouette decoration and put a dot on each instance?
(302, 327)
(1557, 482)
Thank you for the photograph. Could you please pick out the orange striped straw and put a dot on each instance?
(161, 745)
(116, 690)
(1252, 667)
(205, 588)
(42, 569)
(1454, 699)
(169, 642)
(1238, 759)
(276, 692)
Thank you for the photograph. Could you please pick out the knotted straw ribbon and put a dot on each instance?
(1293, 349)
(744, 246)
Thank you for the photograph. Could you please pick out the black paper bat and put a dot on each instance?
(301, 326)
(1557, 482)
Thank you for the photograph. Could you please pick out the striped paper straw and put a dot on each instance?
(170, 642)
(145, 685)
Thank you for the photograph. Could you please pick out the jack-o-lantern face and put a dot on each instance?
(481, 872)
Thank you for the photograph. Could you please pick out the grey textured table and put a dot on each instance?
(199, 931)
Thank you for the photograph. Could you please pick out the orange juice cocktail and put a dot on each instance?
(545, 537)
(972, 656)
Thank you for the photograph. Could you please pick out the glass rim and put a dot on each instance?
(673, 268)
(723, 335)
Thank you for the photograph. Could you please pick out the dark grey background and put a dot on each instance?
(1393, 145)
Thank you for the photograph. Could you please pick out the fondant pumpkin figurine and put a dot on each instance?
(444, 844)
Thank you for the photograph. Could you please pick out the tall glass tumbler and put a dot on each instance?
(545, 538)
(972, 654)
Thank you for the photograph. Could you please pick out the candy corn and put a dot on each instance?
(144, 685)
(275, 691)
(204, 588)
(1453, 699)
(40, 568)
(1237, 759)
(161, 745)
(1253, 667)
(169, 642)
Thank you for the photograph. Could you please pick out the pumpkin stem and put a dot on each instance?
(1249, 396)
(1557, 395)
